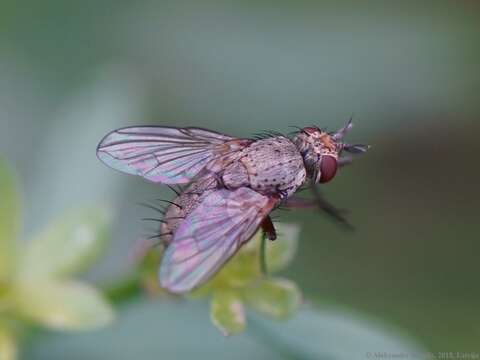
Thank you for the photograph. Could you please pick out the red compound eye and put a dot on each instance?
(328, 168)
(310, 130)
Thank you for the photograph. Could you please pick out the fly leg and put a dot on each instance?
(219, 179)
(268, 228)
(324, 205)
(320, 203)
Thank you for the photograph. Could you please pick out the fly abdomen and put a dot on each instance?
(184, 204)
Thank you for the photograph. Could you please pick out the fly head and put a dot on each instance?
(321, 150)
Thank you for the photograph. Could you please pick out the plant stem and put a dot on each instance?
(123, 290)
(263, 257)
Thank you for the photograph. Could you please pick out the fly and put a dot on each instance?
(231, 186)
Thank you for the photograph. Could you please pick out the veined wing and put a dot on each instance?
(210, 235)
(165, 154)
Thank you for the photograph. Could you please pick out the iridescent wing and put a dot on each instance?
(210, 235)
(165, 154)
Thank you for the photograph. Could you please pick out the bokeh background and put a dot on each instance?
(408, 72)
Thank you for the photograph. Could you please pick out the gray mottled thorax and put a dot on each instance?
(269, 166)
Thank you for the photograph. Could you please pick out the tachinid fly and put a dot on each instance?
(232, 185)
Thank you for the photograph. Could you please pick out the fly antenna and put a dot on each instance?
(339, 134)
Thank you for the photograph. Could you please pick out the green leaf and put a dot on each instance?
(171, 330)
(332, 333)
(62, 305)
(244, 267)
(278, 298)
(281, 251)
(8, 346)
(67, 246)
(227, 312)
(9, 221)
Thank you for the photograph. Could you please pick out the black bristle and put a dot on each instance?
(295, 127)
(154, 219)
(192, 193)
(173, 189)
(171, 203)
(266, 134)
(158, 236)
(160, 210)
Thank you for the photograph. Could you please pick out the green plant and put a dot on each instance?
(242, 282)
(36, 284)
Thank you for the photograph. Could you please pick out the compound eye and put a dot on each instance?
(328, 168)
(310, 130)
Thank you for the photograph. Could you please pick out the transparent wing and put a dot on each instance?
(164, 154)
(210, 235)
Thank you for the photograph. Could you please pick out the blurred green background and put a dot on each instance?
(408, 71)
